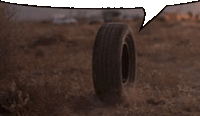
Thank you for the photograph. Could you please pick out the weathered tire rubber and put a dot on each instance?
(113, 62)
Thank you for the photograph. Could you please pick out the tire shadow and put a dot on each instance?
(85, 104)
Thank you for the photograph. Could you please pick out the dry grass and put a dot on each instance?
(52, 70)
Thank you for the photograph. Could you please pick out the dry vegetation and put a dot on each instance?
(46, 70)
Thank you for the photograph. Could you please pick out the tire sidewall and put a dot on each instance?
(132, 57)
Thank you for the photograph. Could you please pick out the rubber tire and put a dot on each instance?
(107, 61)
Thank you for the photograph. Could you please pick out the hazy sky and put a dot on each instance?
(37, 13)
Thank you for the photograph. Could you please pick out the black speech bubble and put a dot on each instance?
(151, 8)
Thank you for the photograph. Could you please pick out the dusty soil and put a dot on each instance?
(54, 69)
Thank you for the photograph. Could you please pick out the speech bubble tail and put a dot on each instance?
(142, 26)
(152, 14)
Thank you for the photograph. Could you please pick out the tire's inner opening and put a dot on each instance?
(125, 64)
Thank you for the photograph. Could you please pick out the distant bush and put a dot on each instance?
(5, 25)
(12, 101)
(109, 16)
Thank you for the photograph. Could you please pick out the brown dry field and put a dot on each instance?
(52, 71)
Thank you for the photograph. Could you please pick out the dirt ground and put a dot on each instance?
(54, 68)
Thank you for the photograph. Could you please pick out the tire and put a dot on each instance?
(113, 62)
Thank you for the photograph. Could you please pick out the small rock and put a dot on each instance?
(155, 102)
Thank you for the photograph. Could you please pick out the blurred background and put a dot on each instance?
(38, 13)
